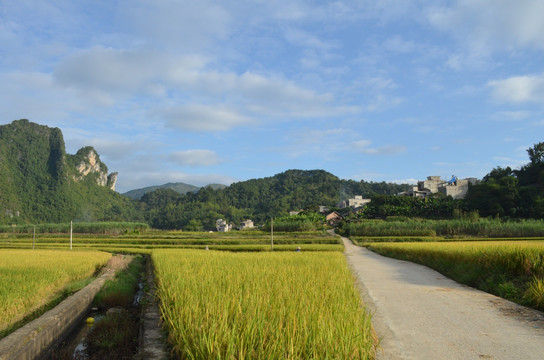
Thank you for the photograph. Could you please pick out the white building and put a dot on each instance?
(246, 224)
(356, 202)
(456, 188)
(222, 226)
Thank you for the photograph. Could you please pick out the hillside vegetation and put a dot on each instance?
(41, 183)
(257, 199)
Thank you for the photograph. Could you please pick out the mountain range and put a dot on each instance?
(179, 187)
(40, 183)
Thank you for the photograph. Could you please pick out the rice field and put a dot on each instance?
(146, 241)
(510, 269)
(295, 305)
(32, 278)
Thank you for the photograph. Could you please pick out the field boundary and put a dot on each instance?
(37, 337)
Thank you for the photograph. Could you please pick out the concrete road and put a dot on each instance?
(420, 314)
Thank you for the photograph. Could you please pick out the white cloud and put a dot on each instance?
(489, 25)
(518, 89)
(318, 137)
(308, 40)
(195, 117)
(511, 115)
(411, 181)
(107, 70)
(113, 75)
(398, 44)
(363, 146)
(184, 24)
(506, 161)
(195, 157)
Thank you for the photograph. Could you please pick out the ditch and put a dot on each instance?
(111, 329)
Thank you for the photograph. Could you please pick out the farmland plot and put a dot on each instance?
(261, 305)
(32, 278)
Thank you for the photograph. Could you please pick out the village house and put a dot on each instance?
(246, 224)
(355, 202)
(222, 226)
(333, 218)
(455, 187)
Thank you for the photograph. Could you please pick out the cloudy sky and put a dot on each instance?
(221, 91)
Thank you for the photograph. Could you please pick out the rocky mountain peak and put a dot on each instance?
(90, 164)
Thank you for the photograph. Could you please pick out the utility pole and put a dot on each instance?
(70, 235)
(34, 237)
(271, 234)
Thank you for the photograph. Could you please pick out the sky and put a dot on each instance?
(223, 91)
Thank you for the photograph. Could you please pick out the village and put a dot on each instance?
(454, 187)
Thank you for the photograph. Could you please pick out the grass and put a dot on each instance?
(33, 279)
(513, 270)
(115, 335)
(261, 305)
(119, 292)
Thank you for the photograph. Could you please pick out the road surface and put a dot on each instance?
(420, 314)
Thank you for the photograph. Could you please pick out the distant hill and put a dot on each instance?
(256, 199)
(40, 182)
(178, 187)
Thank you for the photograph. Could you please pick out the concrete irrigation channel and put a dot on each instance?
(37, 338)
(420, 314)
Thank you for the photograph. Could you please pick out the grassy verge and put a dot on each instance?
(512, 270)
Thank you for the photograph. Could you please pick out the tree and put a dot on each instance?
(536, 153)
(532, 173)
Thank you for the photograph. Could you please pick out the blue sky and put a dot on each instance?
(222, 91)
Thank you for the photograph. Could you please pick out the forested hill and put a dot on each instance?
(257, 199)
(39, 182)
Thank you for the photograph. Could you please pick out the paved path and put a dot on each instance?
(420, 314)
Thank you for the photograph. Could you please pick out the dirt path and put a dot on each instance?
(420, 314)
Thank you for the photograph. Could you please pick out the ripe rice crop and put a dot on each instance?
(510, 269)
(32, 278)
(261, 305)
(232, 241)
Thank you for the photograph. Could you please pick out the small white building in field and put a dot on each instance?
(222, 226)
(246, 224)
